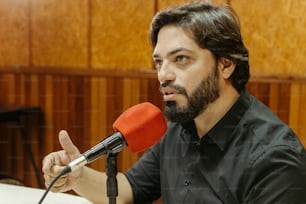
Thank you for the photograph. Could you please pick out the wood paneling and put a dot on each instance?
(113, 33)
(298, 113)
(59, 33)
(87, 106)
(120, 33)
(14, 32)
(274, 31)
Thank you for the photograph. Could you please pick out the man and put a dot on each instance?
(222, 145)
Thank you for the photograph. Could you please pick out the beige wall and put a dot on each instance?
(274, 31)
(113, 34)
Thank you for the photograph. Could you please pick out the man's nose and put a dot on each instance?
(166, 73)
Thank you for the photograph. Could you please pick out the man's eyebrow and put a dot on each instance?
(172, 52)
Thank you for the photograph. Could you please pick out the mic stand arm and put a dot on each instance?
(111, 172)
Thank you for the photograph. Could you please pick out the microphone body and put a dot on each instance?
(112, 144)
(137, 128)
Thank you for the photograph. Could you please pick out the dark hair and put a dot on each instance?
(213, 27)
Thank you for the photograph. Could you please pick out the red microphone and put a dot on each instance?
(142, 126)
(138, 128)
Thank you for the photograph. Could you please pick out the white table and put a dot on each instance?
(12, 194)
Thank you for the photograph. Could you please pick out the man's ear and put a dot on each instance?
(227, 67)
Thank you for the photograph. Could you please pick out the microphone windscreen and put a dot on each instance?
(141, 125)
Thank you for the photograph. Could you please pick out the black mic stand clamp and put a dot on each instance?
(111, 182)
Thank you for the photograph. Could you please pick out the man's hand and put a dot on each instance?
(55, 162)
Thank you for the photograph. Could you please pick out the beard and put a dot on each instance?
(205, 93)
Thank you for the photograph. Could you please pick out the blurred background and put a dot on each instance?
(83, 62)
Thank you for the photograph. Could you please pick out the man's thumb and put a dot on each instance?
(67, 144)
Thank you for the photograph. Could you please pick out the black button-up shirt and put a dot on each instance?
(249, 156)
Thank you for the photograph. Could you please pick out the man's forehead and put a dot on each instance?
(172, 39)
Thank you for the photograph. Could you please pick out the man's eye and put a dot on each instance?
(158, 63)
(181, 59)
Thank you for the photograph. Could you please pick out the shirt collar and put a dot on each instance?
(222, 132)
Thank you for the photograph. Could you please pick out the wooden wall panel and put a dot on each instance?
(284, 98)
(297, 119)
(59, 33)
(301, 128)
(7, 87)
(87, 107)
(274, 97)
(295, 105)
(98, 116)
(20, 89)
(46, 103)
(120, 34)
(14, 33)
(113, 34)
(274, 31)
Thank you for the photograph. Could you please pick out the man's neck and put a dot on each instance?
(215, 111)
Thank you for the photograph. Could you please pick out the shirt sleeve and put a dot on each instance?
(144, 176)
(277, 176)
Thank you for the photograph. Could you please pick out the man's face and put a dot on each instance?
(187, 74)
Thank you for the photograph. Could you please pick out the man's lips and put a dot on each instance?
(168, 93)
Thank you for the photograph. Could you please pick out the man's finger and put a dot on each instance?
(67, 144)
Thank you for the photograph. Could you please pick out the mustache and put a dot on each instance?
(170, 84)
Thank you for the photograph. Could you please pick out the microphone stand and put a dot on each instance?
(111, 172)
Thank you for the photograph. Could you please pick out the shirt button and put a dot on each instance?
(197, 144)
(186, 183)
